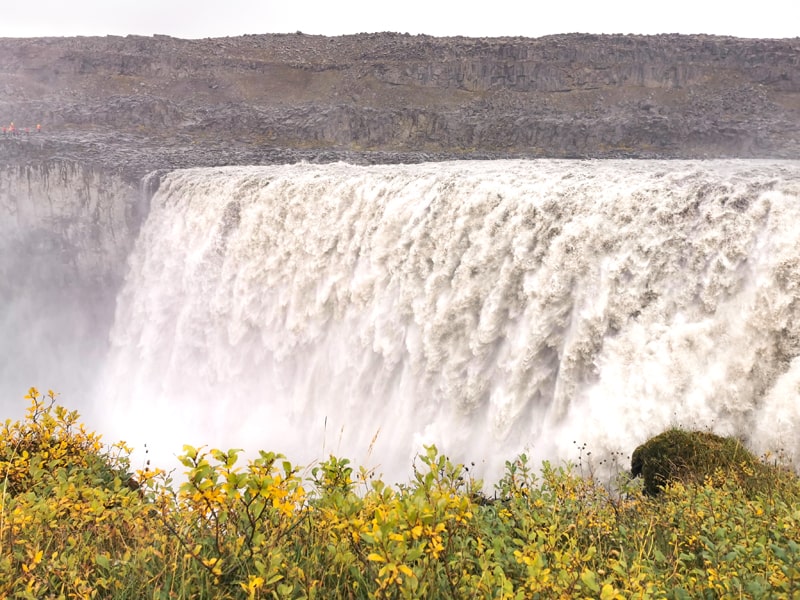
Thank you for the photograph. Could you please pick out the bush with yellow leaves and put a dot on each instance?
(72, 527)
(70, 524)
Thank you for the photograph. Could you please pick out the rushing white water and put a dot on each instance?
(487, 307)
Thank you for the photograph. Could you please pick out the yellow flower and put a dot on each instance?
(35, 560)
(253, 584)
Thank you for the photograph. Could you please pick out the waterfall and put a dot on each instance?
(487, 307)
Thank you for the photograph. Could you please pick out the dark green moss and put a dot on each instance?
(691, 457)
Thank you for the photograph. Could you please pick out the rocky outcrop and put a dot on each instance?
(151, 102)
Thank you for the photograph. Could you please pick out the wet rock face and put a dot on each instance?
(59, 213)
(65, 233)
(277, 98)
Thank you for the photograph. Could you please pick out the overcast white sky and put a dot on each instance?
(530, 18)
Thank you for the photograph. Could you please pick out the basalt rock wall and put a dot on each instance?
(76, 224)
(66, 231)
(152, 102)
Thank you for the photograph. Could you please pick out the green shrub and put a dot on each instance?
(694, 457)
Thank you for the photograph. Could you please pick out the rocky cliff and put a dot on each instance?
(65, 233)
(139, 103)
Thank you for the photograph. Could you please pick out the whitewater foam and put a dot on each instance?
(487, 307)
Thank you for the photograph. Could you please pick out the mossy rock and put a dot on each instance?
(693, 457)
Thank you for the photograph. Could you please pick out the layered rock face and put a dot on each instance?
(161, 102)
(65, 233)
(57, 213)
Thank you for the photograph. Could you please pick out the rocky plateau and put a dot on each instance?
(136, 104)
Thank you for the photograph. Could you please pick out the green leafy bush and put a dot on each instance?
(696, 457)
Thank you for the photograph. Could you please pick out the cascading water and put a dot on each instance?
(487, 307)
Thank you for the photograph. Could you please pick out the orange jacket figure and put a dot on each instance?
(38, 128)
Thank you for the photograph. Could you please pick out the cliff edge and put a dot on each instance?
(143, 103)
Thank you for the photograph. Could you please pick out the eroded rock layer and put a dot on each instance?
(154, 102)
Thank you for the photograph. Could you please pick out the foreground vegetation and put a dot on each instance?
(75, 523)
